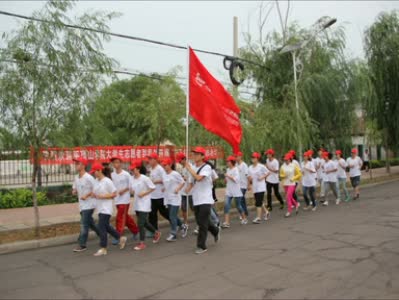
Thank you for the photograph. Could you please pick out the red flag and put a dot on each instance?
(212, 106)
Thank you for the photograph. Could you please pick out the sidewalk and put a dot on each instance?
(64, 214)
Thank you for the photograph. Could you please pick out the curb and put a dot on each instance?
(71, 238)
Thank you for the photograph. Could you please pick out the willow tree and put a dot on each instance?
(382, 52)
(48, 70)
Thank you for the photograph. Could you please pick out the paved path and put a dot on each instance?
(19, 218)
(338, 252)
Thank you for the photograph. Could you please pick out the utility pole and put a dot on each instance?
(235, 50)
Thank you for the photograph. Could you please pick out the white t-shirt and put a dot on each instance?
(357, 164)
(104, 186)
(202, 190)
(366, 156)
(233, 188)
(308, 178)
(171, 182)
(188, 178)
(156, 174)
(121, 181)
(341, 164)
(256, 172)
(319, 163)
(273, 165)
(243, 170)
(214, 175)
(138, 185)
(329, 166)
(84, 185)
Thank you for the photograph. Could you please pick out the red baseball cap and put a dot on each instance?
(325, 154)
(136, 163)
(206, 158)
(166, 161)
(81, 160)
(292, 152)
(288, 156)
(354, 150)
(153, 155)
(96, 167)
(270, 151)
(200, 150)
(180, 156)
(338, 152)
(310, 151)
(239, 153)
(256, 155)
(116, 158)
(306, 154)
(231, 158)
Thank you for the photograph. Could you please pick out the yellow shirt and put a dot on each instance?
(290, 174)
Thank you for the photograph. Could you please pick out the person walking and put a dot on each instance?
(202, 199)
(121, 180)
(341, 175)
(243, 170)
(173, 183)
(272, 180)
(319, 163)
(157, 174)
(355, 164)
(142, 187)
(308, 181)
(290, 174)
(295, 162)
(233, 191)
(105, 191)
(257, 174)
(83, 186)
(330, 182)
(366, 160)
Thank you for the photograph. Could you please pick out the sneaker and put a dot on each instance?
(338, 202)
(325, 203)
(171, 238)
(217, 237)
(348, 199)
(287, 215)
(244, 222)
(149, 235)
(269, 208)
(101, 252)
(297, 208)
(135, 236)
(266, 216)
(184, 230)
(257, 221)
(314, 208)
(79, 249)
(115, 242)
(140, 246)
(157, 237)
(240, 218)
(196, 231)
(225, 225)
(122, 242)
(306, 207)
(200, 251)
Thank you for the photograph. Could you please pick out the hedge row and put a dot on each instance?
(381, 163)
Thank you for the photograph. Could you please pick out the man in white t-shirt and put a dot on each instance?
(83, 187)
(243, 170)
(319, 163)
(121, 180)
(202, 198)
(330, 180)
(355, 164)
(157, 174)
(272, 179)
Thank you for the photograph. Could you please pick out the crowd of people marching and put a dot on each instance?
(166, 186)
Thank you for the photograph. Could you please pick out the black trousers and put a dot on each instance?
(275, 187)
(202, 216)
(105, 227)
(295, 196)
(157, 206)
(143, 223)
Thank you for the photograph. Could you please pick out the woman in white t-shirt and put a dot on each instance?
(142, 187)
(355, 164)
(105, 191)
(308, 181)
(341, 175)
(257, 174)
(173, 183)
(233, 191)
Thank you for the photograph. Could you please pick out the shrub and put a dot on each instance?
(21, 198)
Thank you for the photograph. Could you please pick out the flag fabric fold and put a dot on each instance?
(211, 105)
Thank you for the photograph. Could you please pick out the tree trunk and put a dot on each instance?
(36, 164)
(387, 162)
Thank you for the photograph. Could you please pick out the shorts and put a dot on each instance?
(259, 199)
(355, 181)
(184, 203)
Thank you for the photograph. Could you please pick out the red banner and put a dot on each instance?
(64, 156)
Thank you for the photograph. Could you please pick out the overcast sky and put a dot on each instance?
(205, 25)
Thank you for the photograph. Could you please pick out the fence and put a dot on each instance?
(56, 164)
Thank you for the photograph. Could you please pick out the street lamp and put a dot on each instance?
(321, 24)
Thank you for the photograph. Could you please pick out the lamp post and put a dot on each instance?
(322, 24)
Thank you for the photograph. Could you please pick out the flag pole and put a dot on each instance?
(187, 119)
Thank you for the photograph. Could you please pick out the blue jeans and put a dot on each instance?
(214, 216)
(227, 204)
(86, 223)
(309, 190)
(104, 228)
(342, 181)
(174, 219)
(244, 202)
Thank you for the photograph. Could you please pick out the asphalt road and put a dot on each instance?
(338, 252)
